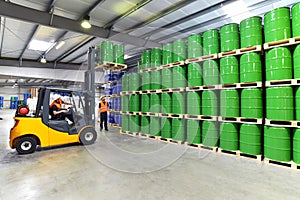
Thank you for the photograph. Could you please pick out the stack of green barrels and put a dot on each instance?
(282, 144)
(109, 52)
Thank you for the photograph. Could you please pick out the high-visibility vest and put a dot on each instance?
(103, 107)
(58, 105)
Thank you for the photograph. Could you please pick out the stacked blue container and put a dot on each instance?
(26, 96)
(14, 102)
(1, 102)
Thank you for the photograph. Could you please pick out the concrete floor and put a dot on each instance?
(122, 167)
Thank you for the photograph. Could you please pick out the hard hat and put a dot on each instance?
(56, 96)
(102, 97)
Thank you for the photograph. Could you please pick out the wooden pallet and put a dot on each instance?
(213, 149)
(194, 117)
(290, 164)
(179, 63)
(230, 152)
(249, 156)
(151, 114)
(250, 120)
(174, 116)
(198, 146)
(165, 90)
(132, 133)
(286, 82)
(111, 66)
(177, 89)
(229, 85)
(132, 113)
(209, 118)
(281, 43)
(201, 59)
(250, 85)
(257, 48)
(241, 120)
(193, 88)
(282, 123)
(210, 87)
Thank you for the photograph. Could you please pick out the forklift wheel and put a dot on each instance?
(88, 136)
(26, 145)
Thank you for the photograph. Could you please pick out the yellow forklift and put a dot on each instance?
(40, 129)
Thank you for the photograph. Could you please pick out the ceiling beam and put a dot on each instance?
(43, 18)
(70, 61)
(188, 18)
(130, 11)
(34, 64)
(74, 49)
(161, 14)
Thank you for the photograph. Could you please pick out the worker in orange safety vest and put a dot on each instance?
(102, 113)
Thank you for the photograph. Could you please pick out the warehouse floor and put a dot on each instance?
(122, 167)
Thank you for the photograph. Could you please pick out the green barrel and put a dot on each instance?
(146, 59)
(146, 81)
(145, 103)
(229, 70)
(155, 106)
(210, 72)
(278, 64)
(194, 46)
(178, 103)
(193, 103)
(155, 126)
(229, 136)
(297, 104)
(296, 59)
(134, 103)
(125, 123)
(252, 103)
(145, 125)
(156, 57)
(277, 143)
(250, 139)
(194, 74)
(134, 82)
(211, 42)
(166, 127)
(210, 134)
(251, 32)
(167, 56)
(229, 37)
(119, 53)
(296, 20)
(193, 132)
(229, 103)
(97, 54)
(179, 50)
(250, 68)
(167, 78)
(166, 103)
(178, 129)
(155, 80)
(280, 103)
(209, 103)
(277, 24)
(125, 103)
(125, 86)
(107, 51)
(296, 146)
(179, 77)
(135, 123)
(139, 66)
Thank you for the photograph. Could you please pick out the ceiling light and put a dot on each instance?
(60, 44)
(85, 23)
(39, 45)
(43, 60)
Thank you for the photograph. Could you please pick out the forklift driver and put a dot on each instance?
(57, 112)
